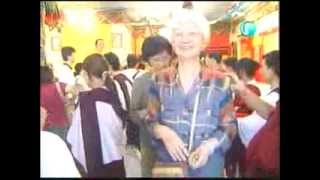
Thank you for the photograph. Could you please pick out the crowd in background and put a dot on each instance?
(173, 102)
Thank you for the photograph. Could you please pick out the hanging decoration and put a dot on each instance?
(52, 14)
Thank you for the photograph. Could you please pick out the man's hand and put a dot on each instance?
(172, 142)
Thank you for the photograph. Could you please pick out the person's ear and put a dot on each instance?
(137, 66)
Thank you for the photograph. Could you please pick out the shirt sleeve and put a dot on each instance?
(65, 75)
(272, 98)
(226, 109)
(153, 107)
(136, 108)
(68, 168)
(136, 95)
(249, 126)
(57, 160)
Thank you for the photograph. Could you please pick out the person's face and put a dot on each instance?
(100, 45)
(267, 72)
(160, 61)
(211, 63)
(226, 68)
(43, 117)
(72, 58)
(187, 40)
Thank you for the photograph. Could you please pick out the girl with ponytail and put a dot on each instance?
(96, 133)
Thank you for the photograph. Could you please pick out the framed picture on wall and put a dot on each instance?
(116, 40)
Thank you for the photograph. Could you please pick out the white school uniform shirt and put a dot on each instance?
(111, 135)
(249, 126)
(56, 159)
(64, 74)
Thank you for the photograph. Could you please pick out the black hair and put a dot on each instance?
(97, 41)
(216, 56)
(78, 68)
(113, 60)
(95, 65)
(203, 54)
(132, 61)
(231, 62)
(272, 60)
(46, 75)
(66, 52)
(249, 66)
(154, 45)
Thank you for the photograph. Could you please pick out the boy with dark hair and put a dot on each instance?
(113, 60)
(230, 65)
(64, 72)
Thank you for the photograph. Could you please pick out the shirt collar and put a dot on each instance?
(66, 64)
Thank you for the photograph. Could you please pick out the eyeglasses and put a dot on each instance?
(161, 57)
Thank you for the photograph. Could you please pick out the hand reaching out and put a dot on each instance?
(174, 145)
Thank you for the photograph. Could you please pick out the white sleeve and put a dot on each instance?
(272, 98)
(249, 126)
(56, 159)
(111, 132)
(75, 138)
(65, 75)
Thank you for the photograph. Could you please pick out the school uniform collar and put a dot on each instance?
(66, 64)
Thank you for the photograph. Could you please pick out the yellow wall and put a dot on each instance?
(83, 39)
(271, 42)
(139, 43)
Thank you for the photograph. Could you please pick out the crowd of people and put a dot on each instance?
(173, 104)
